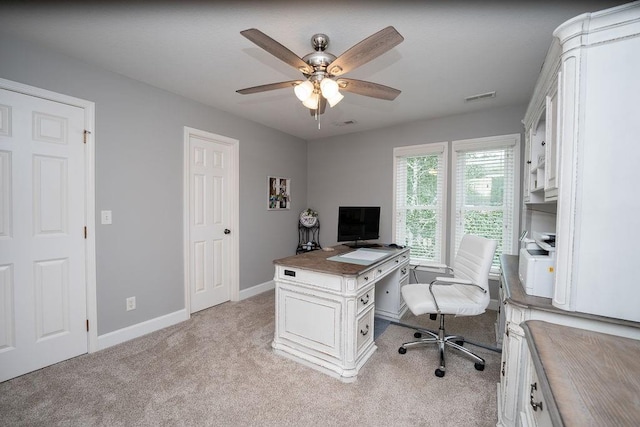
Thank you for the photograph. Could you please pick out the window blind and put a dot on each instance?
(420, 200)
(485, 176)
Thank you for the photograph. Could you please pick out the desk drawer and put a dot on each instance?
(310, 278)
(364, 329)
(384, 269)
(365, 299)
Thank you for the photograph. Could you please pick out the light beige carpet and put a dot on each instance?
(218, 369)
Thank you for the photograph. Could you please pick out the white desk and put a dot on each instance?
(325, 309)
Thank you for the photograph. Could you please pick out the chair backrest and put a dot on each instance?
(474, 258)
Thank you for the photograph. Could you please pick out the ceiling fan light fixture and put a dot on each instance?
(329, 88)
(304, 90)
(312, 101)
(335, 99)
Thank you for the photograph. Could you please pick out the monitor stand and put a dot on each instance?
(363, 244)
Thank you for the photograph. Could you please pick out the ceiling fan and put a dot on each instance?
(322, 70)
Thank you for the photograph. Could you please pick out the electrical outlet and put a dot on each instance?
(131, 303)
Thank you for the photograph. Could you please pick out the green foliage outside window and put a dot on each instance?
(421, 204)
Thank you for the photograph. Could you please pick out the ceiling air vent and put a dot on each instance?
(481, 96)
(346, 123)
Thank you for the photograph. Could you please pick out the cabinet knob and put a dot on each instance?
(366, 278)
(365, 301)
(227, 231)
(379, 270)
(528, 162)
(543, 143)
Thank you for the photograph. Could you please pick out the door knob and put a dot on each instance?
(227, 231)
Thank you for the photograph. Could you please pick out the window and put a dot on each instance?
(485, 191)
(420, 200)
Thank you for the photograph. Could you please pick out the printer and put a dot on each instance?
(537, 264)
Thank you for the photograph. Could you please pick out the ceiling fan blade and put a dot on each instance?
(363, 52)
(373, 90)
(276, 49)
(270, 86)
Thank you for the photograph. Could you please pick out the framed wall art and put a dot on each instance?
(278, 193)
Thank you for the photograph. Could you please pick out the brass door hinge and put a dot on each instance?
(86, 132)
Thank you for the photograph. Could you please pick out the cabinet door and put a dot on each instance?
(510, 373)
(534, 410)
(527, 167)
(310, 323)
(551, 147)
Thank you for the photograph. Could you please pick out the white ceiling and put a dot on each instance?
(452, 49)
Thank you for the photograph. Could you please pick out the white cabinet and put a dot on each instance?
(534, 407)
(598, 226)
(389, 302)
(510, 384)
(551, 146)
(541, 134)
(582, 127)
(514, 388)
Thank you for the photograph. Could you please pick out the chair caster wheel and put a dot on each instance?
(433, 316)
(402, 350)
(439, 373)
(479, 366)
(417, 335)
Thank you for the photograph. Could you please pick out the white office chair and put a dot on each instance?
(464, 294)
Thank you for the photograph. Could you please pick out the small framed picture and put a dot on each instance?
(278, 193)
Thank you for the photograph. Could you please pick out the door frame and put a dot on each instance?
(89, 190)
(234, 212)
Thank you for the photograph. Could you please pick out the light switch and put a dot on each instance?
(106, 217)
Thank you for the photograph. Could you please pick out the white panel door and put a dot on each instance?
(43, 307)
(210, 256)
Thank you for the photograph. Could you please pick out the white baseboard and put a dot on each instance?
(140, 329)
(257, 289)
(493, 305)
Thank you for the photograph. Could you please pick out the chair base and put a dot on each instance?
(442, 340)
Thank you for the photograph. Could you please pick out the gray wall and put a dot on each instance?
(139, 167)
(357, 169)
(139, 132)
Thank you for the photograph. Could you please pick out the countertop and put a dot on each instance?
(515, 294)
(317, 261)
(587, 378)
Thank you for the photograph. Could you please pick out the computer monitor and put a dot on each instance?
(358, 223)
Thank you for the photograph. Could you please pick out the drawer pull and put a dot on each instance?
(379, 270)
(363, 301)
(366, 278)
(397, 261)
(290, 273)
(534, 405)
(404, 270)
(365, 331)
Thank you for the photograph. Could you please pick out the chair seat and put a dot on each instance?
(452, 299)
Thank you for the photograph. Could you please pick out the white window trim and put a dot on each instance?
(487, 143)
(419, 150)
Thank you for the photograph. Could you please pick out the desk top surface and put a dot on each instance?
(592, 378)
(318, 261)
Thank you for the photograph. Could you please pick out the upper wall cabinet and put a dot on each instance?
(583, 127)
(541, 134)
